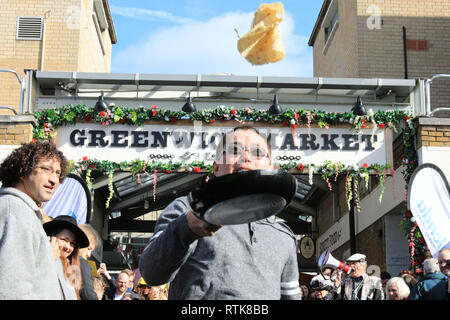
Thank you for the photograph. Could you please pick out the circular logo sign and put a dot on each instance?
(307, 247)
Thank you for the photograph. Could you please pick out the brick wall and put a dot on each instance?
(380, 51)
(90, 55)
(15, 130)
(433, 135)
(338, 58)
(370, 242)
(71, 42)
(377, 52)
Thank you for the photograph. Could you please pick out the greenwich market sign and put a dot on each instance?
(300, 140)
(198, 142)
(147, 140)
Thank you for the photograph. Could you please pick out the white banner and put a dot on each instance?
(176, 143)
(429, 202)
(70, 198)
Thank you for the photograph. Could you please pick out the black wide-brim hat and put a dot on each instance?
(67, 222)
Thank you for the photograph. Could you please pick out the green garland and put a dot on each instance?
(417, 245)
(50, 119)
(47, 120)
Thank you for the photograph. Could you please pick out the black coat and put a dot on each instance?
(87, 291)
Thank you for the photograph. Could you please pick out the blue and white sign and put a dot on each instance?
(71, 198)
(429, 202)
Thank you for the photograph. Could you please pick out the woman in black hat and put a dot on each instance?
(68, 238)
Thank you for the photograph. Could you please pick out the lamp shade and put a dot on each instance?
(189, 106)
(101, 104)
(275, 108)
(358, 109)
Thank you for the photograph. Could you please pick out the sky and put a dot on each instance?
(199, 37)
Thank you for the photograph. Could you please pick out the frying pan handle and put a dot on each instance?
(199, 216)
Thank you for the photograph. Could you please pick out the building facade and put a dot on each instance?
(67, 35)
(77, 39)
(384, 39)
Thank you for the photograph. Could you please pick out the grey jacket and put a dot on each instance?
(68, 291)
(363, 288)
(27, 267)
(254, 261)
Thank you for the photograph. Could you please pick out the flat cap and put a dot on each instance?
(357, 257)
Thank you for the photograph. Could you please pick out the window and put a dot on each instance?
(100, 22)
(99, 32)
(29, 28)
(101, 15)
(331, 26)
(330, 23)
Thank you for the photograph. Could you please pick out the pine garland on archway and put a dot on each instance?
(47, 120)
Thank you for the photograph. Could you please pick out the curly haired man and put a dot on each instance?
(29, 176)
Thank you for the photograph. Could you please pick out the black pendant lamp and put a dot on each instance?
(189, 106)
(275, 108)
(101, 104)
(358, 109)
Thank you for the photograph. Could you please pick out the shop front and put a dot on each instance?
(141, 151)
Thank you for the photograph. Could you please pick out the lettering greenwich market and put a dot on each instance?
(184, 139)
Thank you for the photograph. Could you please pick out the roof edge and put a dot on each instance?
(323, 11)
(111, 30)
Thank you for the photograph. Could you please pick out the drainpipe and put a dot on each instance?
(46, 15)
(351, 217)
(405, 57)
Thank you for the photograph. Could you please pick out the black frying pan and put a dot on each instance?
(243, 197)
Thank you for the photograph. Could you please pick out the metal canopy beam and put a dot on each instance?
(168, 185)
(303, 209)
(52, 78)
(162, 200)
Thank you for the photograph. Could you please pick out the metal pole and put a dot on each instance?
(427, 97)
(22, 87)
(428, 91)
(22, 93)
(351, 217)
(46, 15)
(405, 57)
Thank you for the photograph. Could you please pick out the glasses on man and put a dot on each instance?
(255, 151)
(50, 171)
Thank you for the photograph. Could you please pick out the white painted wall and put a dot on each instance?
(439, 156)
(371, 211)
